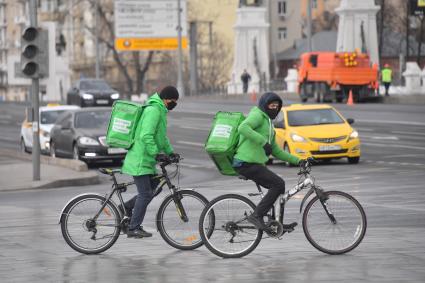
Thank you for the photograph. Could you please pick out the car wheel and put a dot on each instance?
(286, 148)
(52, 149)
(353, 160)
(75, 154)
(23, 148)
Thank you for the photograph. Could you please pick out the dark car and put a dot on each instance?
(80, 134)
(91, 92)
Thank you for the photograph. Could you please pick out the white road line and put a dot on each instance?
(408, 133)
(393, 145)
(193, 128)
(191, 143)
(392, 122)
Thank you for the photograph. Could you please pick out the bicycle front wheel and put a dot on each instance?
(232, 235)
(85, 234)
(177, 219)
(341, 234)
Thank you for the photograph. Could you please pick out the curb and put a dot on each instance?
(90, 179)
(75, 165)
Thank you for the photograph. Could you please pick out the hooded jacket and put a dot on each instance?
(150, 139)
(257, 130)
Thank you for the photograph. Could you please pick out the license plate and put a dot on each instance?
(102, 101)
(116, 150)
(329, 147)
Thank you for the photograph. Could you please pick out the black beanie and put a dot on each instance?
(169, 92)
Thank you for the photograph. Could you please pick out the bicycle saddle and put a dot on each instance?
(109, 171)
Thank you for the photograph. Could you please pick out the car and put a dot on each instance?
(81, 135)
(317, 131)
(47, 116)
(91, 92)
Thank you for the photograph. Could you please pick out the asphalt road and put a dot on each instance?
(387, 182)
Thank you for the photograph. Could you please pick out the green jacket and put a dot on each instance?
(386, 75)
(255, 131)
(151, 139)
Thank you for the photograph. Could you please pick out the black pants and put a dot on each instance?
(267, 179)
(245, 87)
(387, 87)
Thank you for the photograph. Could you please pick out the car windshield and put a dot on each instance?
(50, 117)
(92, 119)
(313, 117)
(95, 84)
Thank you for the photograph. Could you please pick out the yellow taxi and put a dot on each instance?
(317, 131)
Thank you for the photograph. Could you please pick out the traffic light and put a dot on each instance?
(35, 52)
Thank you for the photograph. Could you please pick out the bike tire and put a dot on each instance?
(190, 239)
(213, 208)
(111, 212)
(349, 229)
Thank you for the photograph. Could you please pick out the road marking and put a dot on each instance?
(193, 128)
(408, 133)
(393, 145)
(392, 122)
(191, 143)
(385, 138)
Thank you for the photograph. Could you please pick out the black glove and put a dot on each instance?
(302, 163)
(161, 157)
(174, 157)
(267, 149)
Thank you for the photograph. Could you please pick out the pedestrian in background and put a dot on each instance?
(245, 78)
(386, 77)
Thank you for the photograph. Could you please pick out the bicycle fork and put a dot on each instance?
(177, 197)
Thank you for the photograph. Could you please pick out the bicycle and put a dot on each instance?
(334, 222)
(91, 223)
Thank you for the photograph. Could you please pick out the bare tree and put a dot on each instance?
(130, 64)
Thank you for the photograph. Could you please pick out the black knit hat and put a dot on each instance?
(169, 92)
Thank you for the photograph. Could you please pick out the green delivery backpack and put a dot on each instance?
(223, 140)
(123, 123)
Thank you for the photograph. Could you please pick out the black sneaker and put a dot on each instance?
(258, 222)
(289, 227)
(138, 233)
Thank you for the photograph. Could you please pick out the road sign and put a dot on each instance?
(417, 7)
(148, 25)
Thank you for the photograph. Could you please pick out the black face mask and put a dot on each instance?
(272, 113)
(171, 105)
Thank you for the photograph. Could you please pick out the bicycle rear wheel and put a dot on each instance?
(178, 232)
(345, 233)
(232, 235)
(82, 232)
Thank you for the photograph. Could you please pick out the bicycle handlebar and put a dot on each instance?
(305, 166)
(165, 160)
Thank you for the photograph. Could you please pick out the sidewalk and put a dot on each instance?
(16, 172)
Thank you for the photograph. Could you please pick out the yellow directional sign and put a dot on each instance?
(134, 44)
(421, 3)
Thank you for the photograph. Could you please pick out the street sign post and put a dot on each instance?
(148, 25)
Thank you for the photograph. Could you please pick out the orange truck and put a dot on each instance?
(329, 76)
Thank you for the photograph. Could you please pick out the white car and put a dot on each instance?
(48, 116)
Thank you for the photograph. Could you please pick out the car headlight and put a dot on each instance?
(354, 135)
(44, 134)
(115, 96)
(88, 141)
(87, 96)
(297, 138)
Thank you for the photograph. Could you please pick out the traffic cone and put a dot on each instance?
(350, 98)
(254, 96)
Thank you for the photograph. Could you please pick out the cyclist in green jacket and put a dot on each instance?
(140, 161)
(257, 142)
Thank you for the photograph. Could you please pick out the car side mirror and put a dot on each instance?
(350, 121)
(279, 124)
